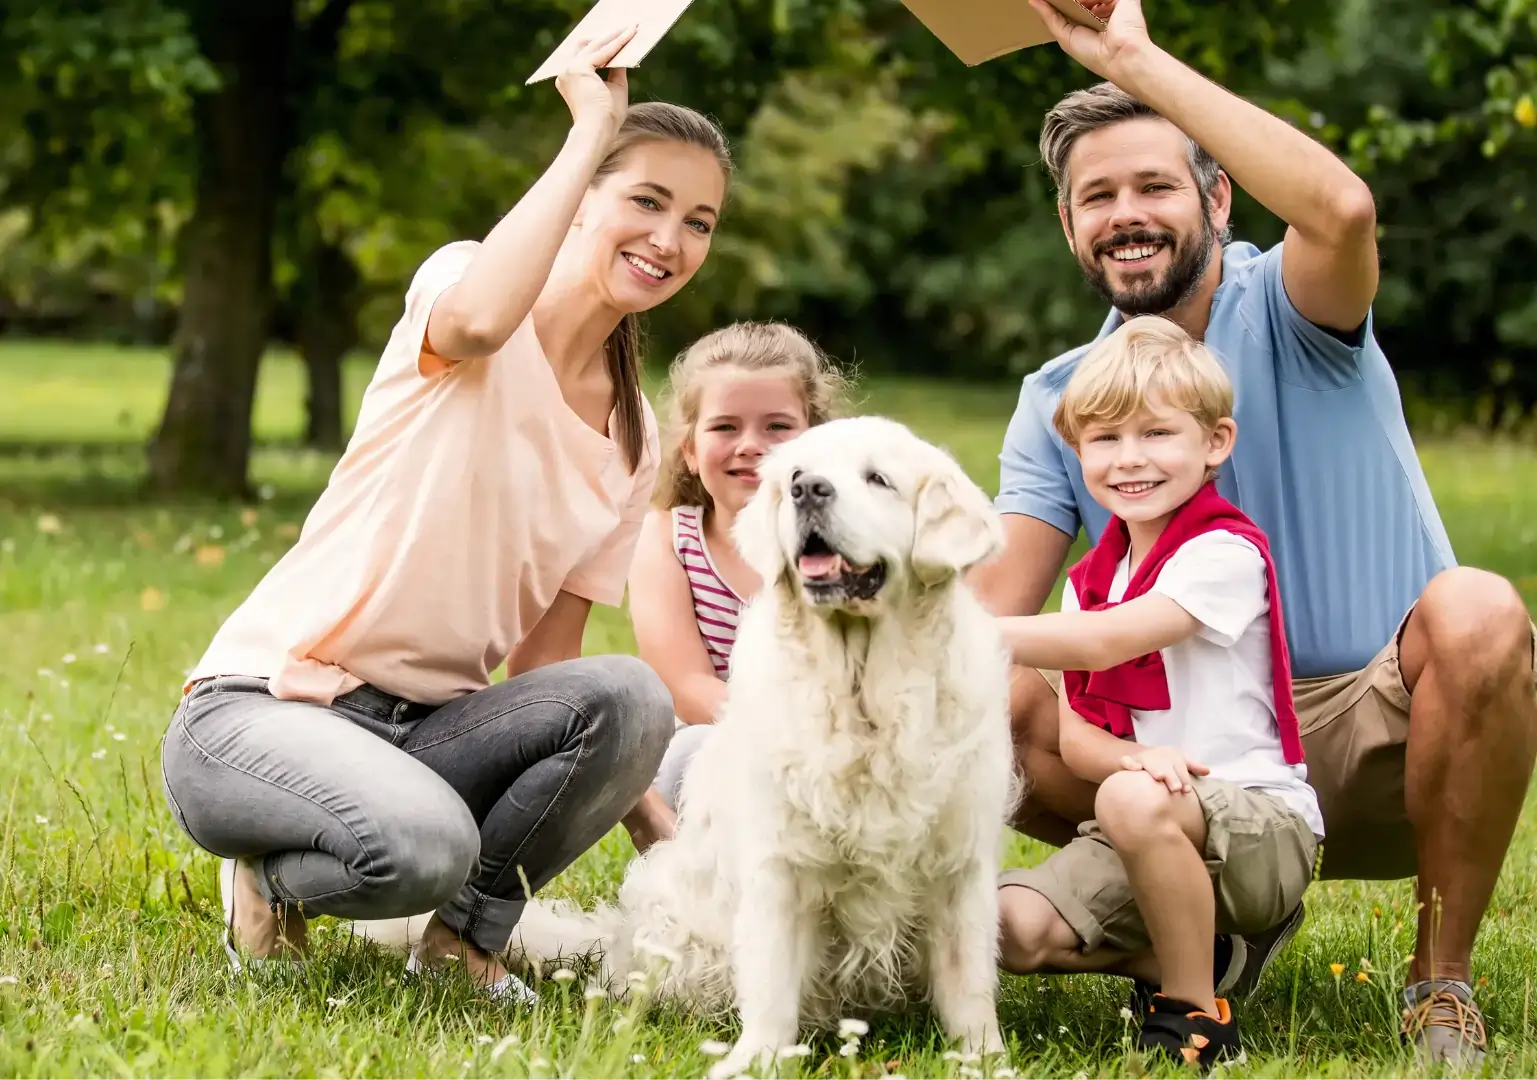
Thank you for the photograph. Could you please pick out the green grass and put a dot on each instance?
(109, 960)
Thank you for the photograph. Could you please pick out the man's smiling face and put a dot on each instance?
(1135, 217)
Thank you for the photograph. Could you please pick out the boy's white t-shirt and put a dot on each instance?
(1221, 702)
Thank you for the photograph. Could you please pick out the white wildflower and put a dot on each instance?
(69, 658)
(1061, 1029)
(1125, 1013)
(484, 1040)
(714, 1048)
(103, 648)
(45, 673)
(539, 1062)
(8, 980)
(563, 975)
(118, 736)
(594, 992)
(968, 1071)
(97, 755)
(40, 820)
(502, 1047)
(637, 1059)
(848, 1027)
(798, 1050)
(849, 1049)
(1005, 1072)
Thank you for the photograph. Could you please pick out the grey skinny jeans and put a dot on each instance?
(379, 808)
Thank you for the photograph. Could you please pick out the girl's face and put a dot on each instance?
(646, 228)
(742, 415)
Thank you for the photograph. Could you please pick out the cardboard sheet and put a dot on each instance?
(655, 18)
(980, 30)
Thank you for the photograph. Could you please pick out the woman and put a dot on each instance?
(341, 744)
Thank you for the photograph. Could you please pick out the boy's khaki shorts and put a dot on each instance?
(1259, 854)
(1355, 728)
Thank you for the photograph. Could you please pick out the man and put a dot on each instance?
(1414, 677)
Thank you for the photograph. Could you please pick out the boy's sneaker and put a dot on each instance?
(1229, 958)
(1187, 1035)
(1264, 947)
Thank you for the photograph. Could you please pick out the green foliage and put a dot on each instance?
(889, 198)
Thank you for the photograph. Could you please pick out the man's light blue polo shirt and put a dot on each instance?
(1323, 463)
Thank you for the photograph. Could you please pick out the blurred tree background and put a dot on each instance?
(218, 178)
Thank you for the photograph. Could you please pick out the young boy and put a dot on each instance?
(1175, 699)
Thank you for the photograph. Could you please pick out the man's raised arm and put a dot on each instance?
(1329, 261)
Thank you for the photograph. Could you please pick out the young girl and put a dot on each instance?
(734, 395)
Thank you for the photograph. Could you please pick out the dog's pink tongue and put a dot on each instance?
(818, 566)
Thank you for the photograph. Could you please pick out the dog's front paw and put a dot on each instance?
(743, 1056)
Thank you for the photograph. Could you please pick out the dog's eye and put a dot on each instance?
(794, 476)
(878, 479)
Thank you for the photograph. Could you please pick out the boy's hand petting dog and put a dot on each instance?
(1168, 767)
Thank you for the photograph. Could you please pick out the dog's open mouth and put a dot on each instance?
(828, 576)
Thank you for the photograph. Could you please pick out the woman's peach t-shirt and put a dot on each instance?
(469, 496)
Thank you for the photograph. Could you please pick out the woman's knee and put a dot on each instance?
(421, 855)
(630, 714)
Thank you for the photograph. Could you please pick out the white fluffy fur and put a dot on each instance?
(839, 831)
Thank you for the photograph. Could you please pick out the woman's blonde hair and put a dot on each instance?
(1147, 356)
(745, 346)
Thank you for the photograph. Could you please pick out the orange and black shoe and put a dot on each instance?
(1188, 1035)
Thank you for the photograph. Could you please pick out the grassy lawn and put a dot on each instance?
(109, 957)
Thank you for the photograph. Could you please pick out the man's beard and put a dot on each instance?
(1148, 294)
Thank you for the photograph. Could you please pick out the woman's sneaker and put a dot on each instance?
(1187, 1035)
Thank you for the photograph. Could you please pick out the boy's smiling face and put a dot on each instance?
(1148, 465)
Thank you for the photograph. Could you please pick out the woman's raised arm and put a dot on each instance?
(478, 314)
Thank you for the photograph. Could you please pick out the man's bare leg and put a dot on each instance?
(1466, 657)
(1057, 801)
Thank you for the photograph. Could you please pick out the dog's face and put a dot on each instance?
(858, 512)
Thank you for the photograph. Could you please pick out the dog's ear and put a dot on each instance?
(954, 528)
(756, 531)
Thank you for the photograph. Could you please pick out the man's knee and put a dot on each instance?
(1032, 711)
(1474, 623)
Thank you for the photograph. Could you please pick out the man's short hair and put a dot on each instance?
(1098, 107)
(1146, 356)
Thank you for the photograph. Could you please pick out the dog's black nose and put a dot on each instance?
(809, 490)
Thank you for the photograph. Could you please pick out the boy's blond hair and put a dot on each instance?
(1147, 356)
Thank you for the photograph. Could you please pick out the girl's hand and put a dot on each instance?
(595, 102)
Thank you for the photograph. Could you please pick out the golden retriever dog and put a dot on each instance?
(838, 834)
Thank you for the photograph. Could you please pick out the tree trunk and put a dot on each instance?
(243, 132)
(327, 330)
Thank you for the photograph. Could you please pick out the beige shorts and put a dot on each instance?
(1355, 728)
(1259, 854)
